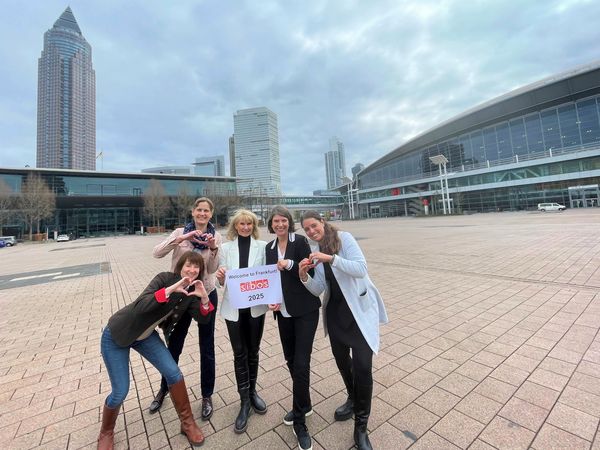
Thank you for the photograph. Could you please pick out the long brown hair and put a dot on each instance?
(331, 243)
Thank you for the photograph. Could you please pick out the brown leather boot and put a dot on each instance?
(107, 431)
(180, 398)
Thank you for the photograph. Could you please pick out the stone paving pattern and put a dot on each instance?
(492, 343)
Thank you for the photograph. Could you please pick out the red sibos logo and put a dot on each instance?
(254, 285)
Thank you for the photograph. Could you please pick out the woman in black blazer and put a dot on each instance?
(297, 316)
(169, 295)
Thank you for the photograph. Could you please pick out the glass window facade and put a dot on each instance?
(564, 126)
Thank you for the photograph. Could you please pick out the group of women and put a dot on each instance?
(334, 269)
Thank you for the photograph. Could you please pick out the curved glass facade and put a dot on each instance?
(570, 125)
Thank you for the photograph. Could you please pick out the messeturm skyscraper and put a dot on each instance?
(66, 127)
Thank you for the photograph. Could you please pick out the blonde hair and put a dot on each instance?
(238, 216)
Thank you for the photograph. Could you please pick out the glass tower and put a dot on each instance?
(335, 163)
(256, 140)
(66, 127)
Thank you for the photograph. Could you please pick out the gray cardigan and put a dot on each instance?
(363, 298)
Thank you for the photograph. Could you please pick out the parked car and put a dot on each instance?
(62, 238)
(2, 243)
(551, 207)
(9, 241)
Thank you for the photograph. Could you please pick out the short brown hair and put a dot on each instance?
(237, 217)
(193, 258)
(205, 200)
(284, 212)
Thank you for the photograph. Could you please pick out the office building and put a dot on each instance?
(172, 170)
(66, 116)
(212, 166)
(335, 163)
(539, 143)
(257, 152)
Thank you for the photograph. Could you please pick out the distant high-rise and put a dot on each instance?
(257, 151)
(231, 156)
(335, 163)
(66, 118)
(210, 166)
(356, 169)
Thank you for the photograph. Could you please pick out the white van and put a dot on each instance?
(551, 207)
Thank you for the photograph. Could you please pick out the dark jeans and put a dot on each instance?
(297, 335)
(206, 335)
(245, 336)
(116, 360)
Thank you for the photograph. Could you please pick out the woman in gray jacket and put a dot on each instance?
(352, 311)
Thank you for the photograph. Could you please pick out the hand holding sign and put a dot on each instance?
(252, 286)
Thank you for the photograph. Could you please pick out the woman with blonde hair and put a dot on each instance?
(245, 326)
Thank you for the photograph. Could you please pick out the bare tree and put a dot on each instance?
(183, 202)
(36, 202)
(156, 202)
(225, 204)
(7, 200)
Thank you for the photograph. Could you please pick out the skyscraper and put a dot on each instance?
(256, 142)
(66, 119)
(335, 163)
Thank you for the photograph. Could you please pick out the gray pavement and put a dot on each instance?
(492, 342)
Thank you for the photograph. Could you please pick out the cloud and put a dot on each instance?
(375, 74)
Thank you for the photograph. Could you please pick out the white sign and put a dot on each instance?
(260, 285)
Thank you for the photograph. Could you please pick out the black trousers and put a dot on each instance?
(297, 335)
(206, 335)
(245, 336)
(359, 366)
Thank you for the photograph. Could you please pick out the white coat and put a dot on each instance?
(229, 257)
(363, 298)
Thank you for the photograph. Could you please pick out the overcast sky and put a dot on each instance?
(170, 75)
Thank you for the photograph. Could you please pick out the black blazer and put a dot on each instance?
(298, 300)
(127, 324)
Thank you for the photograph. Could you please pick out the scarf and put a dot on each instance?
(210, 228)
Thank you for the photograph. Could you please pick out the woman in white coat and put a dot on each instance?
(245, 326)
(352, 311)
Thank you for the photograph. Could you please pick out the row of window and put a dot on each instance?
(567, 125)
(542, 170)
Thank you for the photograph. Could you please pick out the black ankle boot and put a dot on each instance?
(241, 421)
(362, 411)
(344, 412)
(258, 404)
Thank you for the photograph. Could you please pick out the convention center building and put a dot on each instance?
(93, 204)
(539, 143)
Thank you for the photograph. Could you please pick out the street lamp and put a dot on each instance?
(441, 160)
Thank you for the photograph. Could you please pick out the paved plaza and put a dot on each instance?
(492, 342)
